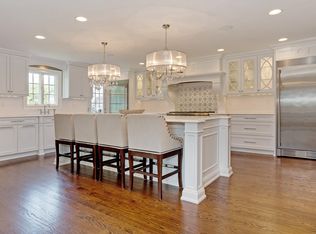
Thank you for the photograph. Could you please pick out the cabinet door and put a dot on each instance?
(18, 75)
(265, 77)
(3, 74)
(49, 136)
(79, 86)
(27, 137)
(233, 74)
(139, 80)
(249, 74)
(8, 139)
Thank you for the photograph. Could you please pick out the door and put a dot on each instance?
(18, 75)
(8, 139)
(297, 108)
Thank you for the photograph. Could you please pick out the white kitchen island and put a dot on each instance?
(206, 152)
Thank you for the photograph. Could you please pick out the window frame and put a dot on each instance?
(57, 87)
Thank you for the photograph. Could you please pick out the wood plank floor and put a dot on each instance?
(265, 195)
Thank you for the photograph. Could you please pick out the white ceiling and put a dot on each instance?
(133, 27)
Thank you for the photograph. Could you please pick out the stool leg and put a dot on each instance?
(100, 163)
(78, 158)
(180, 156)
(144, 165)
(131, 170)
(122, 159)
(151, 168)
(57, 154)
(95, 163)
(72, 158)
(159, 169)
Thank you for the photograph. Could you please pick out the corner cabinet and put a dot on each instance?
(76, 83)
(252, 74)
(148, 88)
(13, 75)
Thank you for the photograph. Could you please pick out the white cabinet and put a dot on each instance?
(253, 133)
(147, 87)
(18, 135)
(49, 133)
(13, 74)
(249, 74)
(27, 137)
(76, 82)
(8, 139)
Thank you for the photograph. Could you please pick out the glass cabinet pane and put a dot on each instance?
(140, 85)
(249, 74)
(233, 76)
(266, 73)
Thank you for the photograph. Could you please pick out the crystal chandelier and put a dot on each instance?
(103, 74)
(166, 64)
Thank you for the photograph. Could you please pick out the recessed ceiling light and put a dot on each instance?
(81, 19)
(283, 39)
(220, 50)
(141, 63)
(40, 37)
(275, 12)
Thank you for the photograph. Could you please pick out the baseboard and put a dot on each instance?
(236, 152)
(254, 151)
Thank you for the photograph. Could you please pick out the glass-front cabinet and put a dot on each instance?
(249, 74)
(147, 87)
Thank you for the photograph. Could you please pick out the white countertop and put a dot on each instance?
(193, 119)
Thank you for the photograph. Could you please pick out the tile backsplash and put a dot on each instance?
(195, 96)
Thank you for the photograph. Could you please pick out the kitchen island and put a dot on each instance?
(206, 152)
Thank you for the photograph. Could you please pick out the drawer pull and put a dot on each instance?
(250, 118)
(250, 142)
(250, 129)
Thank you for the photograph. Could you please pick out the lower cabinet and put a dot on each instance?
(253, 134)
(26, 136)
(8, 139)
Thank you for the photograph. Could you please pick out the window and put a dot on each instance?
(118, 98)
(97, 99)
(43, 88)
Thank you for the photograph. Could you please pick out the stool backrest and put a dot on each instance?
(112, 130)
(150, 132)
(85, 128)
(64, 127)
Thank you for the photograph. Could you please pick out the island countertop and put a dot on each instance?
(194, 119)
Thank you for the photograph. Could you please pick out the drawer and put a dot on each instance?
(48, 119)
(253, 118)
(263, 129)
(18, 121)
(263, 143)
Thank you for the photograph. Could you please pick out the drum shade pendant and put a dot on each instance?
(166, 64)
(103, 74)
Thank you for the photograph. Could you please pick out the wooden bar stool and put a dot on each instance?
(149, 137)
(112, 137)
(64, 135)
(86, 141)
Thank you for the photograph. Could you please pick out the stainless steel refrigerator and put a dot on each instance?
(296, 108)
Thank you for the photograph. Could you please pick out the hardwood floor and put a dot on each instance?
(265, 195)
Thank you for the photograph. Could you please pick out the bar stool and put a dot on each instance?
(64, 135)
(149, 137)
(86, 138)
(112, 137)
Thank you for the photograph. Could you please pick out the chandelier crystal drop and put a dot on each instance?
(104, 74)
(166, 64)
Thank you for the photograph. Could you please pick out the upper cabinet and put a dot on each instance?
(76, 82)
(249, 74)
(13, 75)
(147, 87)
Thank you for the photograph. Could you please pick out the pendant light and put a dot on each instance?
(166, 64)
(103, 74)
